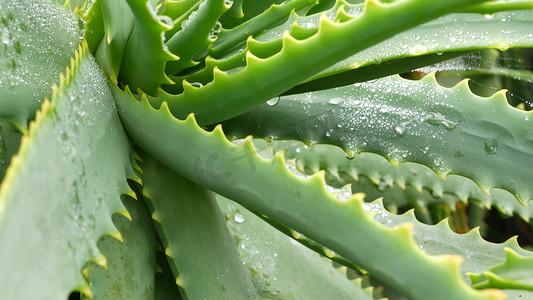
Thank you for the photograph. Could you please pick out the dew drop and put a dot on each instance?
(217, 28)
(273, 101)
(329, 132)
(5, 38)
(401, 128)
(439, 119)
(418, 49)
(336, 100)
(238, 218)
(166, 20)
(197, 84)
(491, 147)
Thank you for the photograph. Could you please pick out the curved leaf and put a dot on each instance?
(76, 139)
(282, 268)
(199, 247)
(145, 56)
(268, 187)
(452, 131)
(514, 273)
(408, 184)
(224, 97)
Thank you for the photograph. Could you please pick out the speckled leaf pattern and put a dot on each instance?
(224, 98)
(407, 185)
(452, 131)
(68, 207)
(232, 170)
(281, 267)
(139, 108)
(38, 39)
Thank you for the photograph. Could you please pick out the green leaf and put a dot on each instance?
(451, 33)
(301, 56)
(282, 268)
(37, 40)
(267, 187)
(145, 56)
(229, 38)
(54, 205)
(200, 249)
(514, 273)
(118, 22)
(452, 131)
(407, 185)
(130, 271)
(199, 31)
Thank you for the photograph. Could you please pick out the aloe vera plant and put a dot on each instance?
(243, 149)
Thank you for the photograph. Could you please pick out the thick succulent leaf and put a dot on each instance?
(408, 184)
(491, 7)
(452, 131)
(298, 59)
(145, 56)
(451, 33)
(38, 39)
(130, 272)
(480, 255)
(9, 144)
(200, 248)
(199, 31)
(118, 21)
(514, 273)
(53, 194)
(267, 187)
(244, 10)
(283, 268)
(227, 39)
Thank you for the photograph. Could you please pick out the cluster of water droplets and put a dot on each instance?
(215, 31)
(37, 41)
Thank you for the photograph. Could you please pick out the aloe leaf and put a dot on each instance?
(9, 144)
(94, 25)
(245, 10)
(455, 32)
(145, 56)
(283, 268)
(480, 255)
(200, 249)
(224, 97)
(514, 273)
(234, 12)
(76, 139)
(130, 270)
(228, 39)
(452, 131)
(492, 7)
(38, 39)
(118, 22)
(197, 32)
(408, 184)
(232, 171)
